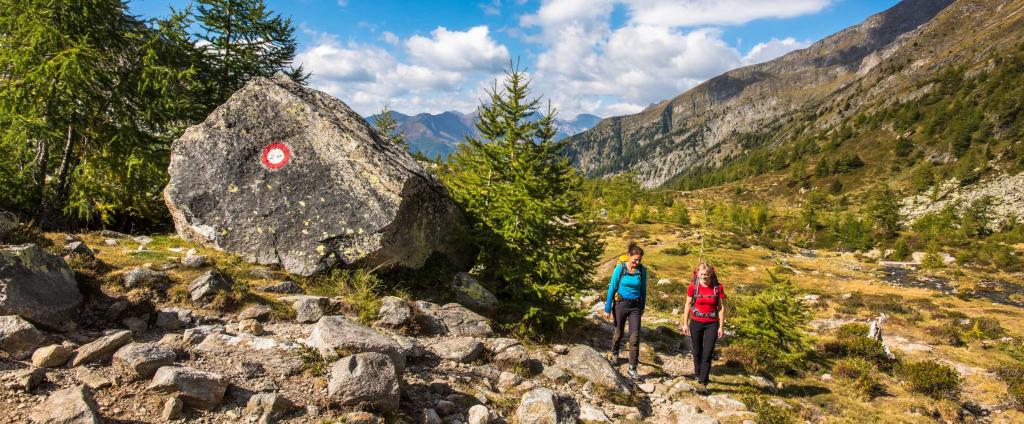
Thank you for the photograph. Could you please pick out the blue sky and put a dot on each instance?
(606, 57)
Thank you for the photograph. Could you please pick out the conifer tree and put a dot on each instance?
(773, 323)
(241, 39)
(525, 202)
(90, 99)
(884, 210)
(387, 126)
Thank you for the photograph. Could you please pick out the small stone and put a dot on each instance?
(309, 309)
(145, 277)
(92, 379)
(174, 319)
(560, 349)
(101, 348)
(194, 261)
(478, 414)
(194, 336)
(51, 356)
(250, 326)
(256, 312)
(445, 407)
(458, 349)
(73, 405)
(267, 407)
(592, 414)
(199, 389)
(284, 287)
(826, 377)
(172, 409)
(204, 287)
(18, 337)
(646, 387)
(430, 416)
(26, 380)
(110, 242)
(141, 360)
(507, 381)
(135, 325)
(555, 374)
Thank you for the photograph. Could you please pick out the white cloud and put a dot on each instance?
(717, 12)
(390, 38)
(763, 52)
(492, 8)
(458, 50)
(665, 48)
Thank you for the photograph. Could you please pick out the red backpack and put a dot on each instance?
(696, 294)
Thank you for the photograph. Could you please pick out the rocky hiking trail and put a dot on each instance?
(174, 332)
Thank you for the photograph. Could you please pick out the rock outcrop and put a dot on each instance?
(38, 286)
(284, 174)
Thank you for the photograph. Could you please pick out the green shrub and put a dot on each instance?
(851, 330)
(768, 413)
(360, 288)
(772, 324)
(680, 249)
(932, 379)
(860, 374)
(1013, 376)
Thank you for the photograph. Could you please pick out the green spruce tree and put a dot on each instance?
(884, 210)
(525, 202)
(773, 325)
(91, 98)
(387, 126)
(241, 39)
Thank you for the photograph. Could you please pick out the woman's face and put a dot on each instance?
(634, 260)
(703, 273)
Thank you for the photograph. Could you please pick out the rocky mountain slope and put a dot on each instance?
(440, 134)
(806, 94)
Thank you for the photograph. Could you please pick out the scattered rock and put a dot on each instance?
(469, 292)
(172, 409)
(141, 360)
(143, 240)
(196, 335)
(92, 379)
(445, 407)
(250, 326)
(365, 378)
(541, 406)
(284, 287)
(458, 349)
(646, 387)
(174, 319)
(135, 325)
(101, 348)
(38, 286)
(348, 194)
(453, 319)
(73, 405)
(394, 312)
(508, 380)
(19, 338)
(207, 285)
(51, 356)
(26, 380)
(478, 414)
(592, 414)
(761, 382)
(556, 374)
(362, 417)
(145, 277)
(560, 349)
(77, 249)
(584, 362)
(267, 407)
(310, 309)
(725, 403)
(334, 332)
(198, 389)
(256, 312)
(194, 261)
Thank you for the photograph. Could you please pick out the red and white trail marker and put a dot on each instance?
(276, 155)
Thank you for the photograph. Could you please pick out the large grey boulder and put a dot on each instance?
(141, 360)
(364, 378)
(284, 174)
(101, 348)
(584, 362)
(73, 405)
(199, 389)
(19, 338)
(334, 333)
(458, 349)
(38, 286)
(452, 319)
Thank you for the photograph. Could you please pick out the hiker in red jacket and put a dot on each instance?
(704, 320)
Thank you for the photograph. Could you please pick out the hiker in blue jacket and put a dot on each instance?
(627, 296)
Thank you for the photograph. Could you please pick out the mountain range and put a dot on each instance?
(439, 134)
(871, 90)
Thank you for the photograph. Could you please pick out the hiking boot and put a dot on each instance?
(702, 389)
(633, 374)
(613, 358)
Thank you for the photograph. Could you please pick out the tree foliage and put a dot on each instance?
(525, 202)
(387, 126)
(773, 323)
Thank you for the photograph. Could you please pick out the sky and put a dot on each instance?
(603, 57)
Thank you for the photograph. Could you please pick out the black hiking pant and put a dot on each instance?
(703, 336)
(626, 310)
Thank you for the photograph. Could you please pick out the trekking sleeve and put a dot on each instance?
(612, 288)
